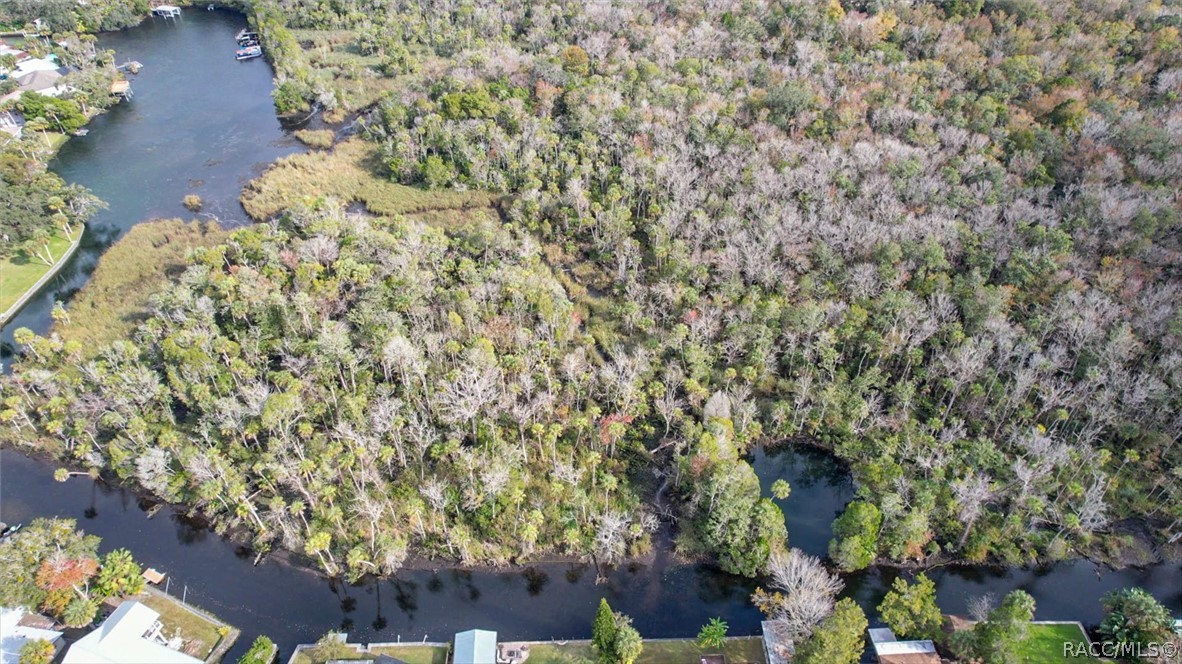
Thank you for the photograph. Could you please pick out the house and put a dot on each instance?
(130, 635)
(889, 650)
(12, 123)
(475, 646)
(44, 81)
(18, 628)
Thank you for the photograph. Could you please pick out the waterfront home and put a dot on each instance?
(475, 646)
(42, 81)
(130, 635)
(889, 650)
(18, 628)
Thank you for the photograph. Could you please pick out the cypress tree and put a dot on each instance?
(603, 633)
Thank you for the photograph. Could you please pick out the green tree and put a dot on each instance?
(996, 639)
(781, 489)
(37, 651)
(713, 634)
(628, 645)
(1133, 616)
(259, 653)
(119, 575)
(80, 612)
(839, 639)
(855, 542)
(603, 633)
(23, 557)
(910, 609)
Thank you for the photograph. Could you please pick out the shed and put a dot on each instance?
(475, 646)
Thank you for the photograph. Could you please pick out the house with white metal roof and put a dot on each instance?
(130, 635)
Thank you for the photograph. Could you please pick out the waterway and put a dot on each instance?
(199, 115)
(200, 122)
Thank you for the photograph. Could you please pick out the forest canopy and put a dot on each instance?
(940, 241)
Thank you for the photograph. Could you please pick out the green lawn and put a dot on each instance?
(200, 635)
(409, 654)
(741, 650)
(19, 273)
(1044, 644)
(415, 654)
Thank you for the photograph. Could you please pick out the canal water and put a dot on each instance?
(292, 604)
(202, 123)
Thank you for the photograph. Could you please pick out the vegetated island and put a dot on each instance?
(937, 241)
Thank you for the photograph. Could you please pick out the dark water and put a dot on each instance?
(200, 122)
(292, 604)
(200, 115)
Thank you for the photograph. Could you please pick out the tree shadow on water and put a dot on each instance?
(535, 580)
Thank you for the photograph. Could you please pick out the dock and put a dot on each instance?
(121, 89)
(167, 11)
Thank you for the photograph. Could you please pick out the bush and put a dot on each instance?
(261, 652)
(1133, 616)
(192, 202)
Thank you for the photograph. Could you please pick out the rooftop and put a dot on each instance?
(17, 627)
(130, 635)
(475, 646)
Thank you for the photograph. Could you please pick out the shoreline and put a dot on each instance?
(418, 562)
(35, 289)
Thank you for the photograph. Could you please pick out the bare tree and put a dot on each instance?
(809, 591)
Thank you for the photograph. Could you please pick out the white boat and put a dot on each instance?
(248, 53)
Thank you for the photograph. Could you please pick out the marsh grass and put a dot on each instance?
(349, 173)
(129, 273)
(316, 138)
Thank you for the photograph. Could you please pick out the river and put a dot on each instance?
(199, 122)
(199, 114)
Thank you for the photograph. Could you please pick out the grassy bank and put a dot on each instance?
(21, 272)
(1044, 643)
(200, 634)
(349, 174)
(738, 650)
(129, 273)
(409, 654)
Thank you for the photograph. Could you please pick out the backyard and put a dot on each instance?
(200, 634)
(741, 650)
(1044, 643)
(18, 273)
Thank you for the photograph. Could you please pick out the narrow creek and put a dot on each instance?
(203, 123)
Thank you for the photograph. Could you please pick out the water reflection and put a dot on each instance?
(293, 605)
(820, 491)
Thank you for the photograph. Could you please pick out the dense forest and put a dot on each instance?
(938, 240)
